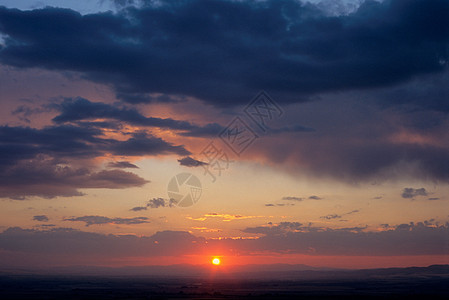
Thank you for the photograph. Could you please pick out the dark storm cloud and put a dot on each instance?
(411, 192)
(122, 165)
(225, 51)
(190, 162)
(41, 218)
(99, 220)
(79, 109)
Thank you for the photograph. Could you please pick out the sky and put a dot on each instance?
(167, 132)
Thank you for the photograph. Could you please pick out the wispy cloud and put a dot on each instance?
(224, 217)
(100, 220)
(292, 198)
(337, 216)
(121, 165)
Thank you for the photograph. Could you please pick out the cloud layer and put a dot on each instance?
(232, 49)
(423, 238)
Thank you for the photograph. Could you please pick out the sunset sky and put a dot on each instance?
(343, 161)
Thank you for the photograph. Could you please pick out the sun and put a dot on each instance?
(216, 261)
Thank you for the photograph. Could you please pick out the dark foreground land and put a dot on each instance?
(410, 283)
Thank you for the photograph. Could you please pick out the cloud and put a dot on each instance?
(68, 246)
(412, 193)
(225, 217)
(156, 203)
(190, 162)
(281, 228)
(44, 162)
(336, 216)
(71, 244)
(99, 220)
(402, 239)
(76, 141)
(283, 54)
(332, 216)
(41, 218)
(231, 49)
(80, 109)
(49, 178)
(145, 144)
(139, 208)
(399, 150)
(121, 165)
(291, 198)
(432, 199)
(290, 129)
(280, 204)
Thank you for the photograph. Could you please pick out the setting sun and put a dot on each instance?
(216, 261)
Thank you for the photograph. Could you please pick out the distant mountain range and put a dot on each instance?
(256, 271)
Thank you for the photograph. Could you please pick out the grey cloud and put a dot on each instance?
(190, 162)
(411, 192)
(49, 178)
(336, 216)
(70, 244)
(292, 198)
(79, 109)
(99, 220)
(41, 218)
(121, 165)
(292, 237)
(139, 208)
(403, 239)
(331, 216)
(156, 203)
